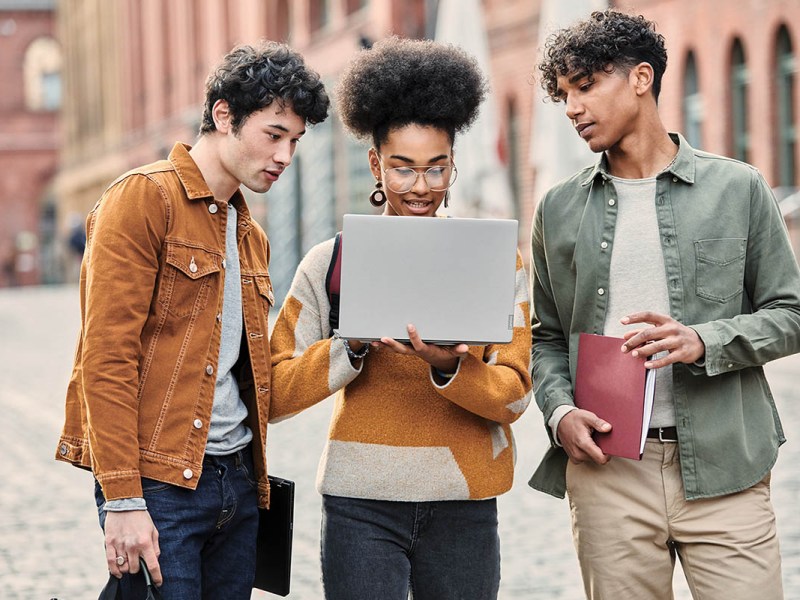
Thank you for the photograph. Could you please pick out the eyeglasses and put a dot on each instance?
(402, 179)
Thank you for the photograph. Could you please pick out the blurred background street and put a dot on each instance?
(50, 541)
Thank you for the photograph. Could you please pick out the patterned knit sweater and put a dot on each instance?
(395, 434)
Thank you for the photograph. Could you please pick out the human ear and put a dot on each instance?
(222, 115)
(374, 163)
(642, 75)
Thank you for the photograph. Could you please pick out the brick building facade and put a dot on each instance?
(135, 72)
(29, 70)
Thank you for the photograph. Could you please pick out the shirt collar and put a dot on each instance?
(683, 167)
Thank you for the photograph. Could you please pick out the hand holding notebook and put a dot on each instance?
(617, 388)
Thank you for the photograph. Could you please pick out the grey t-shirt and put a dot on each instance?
(637, 278)
(227, 432)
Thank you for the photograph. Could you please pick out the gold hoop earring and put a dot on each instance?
(378, 197)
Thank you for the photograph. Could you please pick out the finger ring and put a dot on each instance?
(121, 560)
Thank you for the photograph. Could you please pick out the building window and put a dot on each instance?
(692, 104)
(784, 95)
(739, 76)
(43, 75)
(319, 14)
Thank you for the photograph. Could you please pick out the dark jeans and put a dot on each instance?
(439, 550)
(207, 536)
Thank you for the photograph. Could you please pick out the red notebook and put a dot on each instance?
(617, 388)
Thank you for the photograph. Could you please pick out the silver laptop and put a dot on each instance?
(454, 279)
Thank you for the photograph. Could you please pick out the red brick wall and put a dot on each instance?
(28, 147)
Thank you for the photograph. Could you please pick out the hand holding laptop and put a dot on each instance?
(442, 358)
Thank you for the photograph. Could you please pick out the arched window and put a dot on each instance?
(692, 104)
(784, 97)
(42, 69)
(739, 76)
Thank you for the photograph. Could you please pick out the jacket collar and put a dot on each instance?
(190, 176)
(683, 167)
(195, 185)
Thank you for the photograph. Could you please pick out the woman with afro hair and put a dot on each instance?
(420, 442)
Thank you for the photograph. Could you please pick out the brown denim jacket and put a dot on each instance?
(151, 289)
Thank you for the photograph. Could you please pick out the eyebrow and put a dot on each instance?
(574, 79)
(578, 76)
(411, 161)
(282, 128)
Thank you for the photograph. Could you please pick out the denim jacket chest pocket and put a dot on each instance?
(719, 268)
(264, 287)
(187, 279)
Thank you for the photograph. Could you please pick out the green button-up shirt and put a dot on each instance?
(731, 276)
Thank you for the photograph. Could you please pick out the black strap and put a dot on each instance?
(140, 587)
(333, 282)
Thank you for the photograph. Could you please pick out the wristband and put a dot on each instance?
(443, 375)
(350, 352)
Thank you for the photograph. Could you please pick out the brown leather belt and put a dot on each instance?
(663, 434)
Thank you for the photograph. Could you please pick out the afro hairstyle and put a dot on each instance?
(400, 81)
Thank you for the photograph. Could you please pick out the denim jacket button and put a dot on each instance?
(601, 291)
(210, 369)
(63, 450)
(197, 423)
(224, 263)
(188, 474)
(213, 208)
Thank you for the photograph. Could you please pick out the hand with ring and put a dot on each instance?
(131, 535)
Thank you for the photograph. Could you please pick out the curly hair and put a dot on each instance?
(401, 81)
(605, 41)
(251, 78)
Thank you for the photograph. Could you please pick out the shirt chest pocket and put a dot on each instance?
(189, 278)
(719, 268)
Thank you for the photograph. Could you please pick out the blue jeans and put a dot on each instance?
(207, 536)
(437, 550)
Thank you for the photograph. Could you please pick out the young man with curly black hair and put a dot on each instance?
(169, 396)
(420, 438)
(685, 255)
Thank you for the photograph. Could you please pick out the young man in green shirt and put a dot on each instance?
(687, 253)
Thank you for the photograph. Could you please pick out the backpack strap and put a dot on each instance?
(333, 282)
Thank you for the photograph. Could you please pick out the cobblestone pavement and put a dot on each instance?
(50, 542)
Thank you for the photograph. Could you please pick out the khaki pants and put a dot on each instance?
(630, 519)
